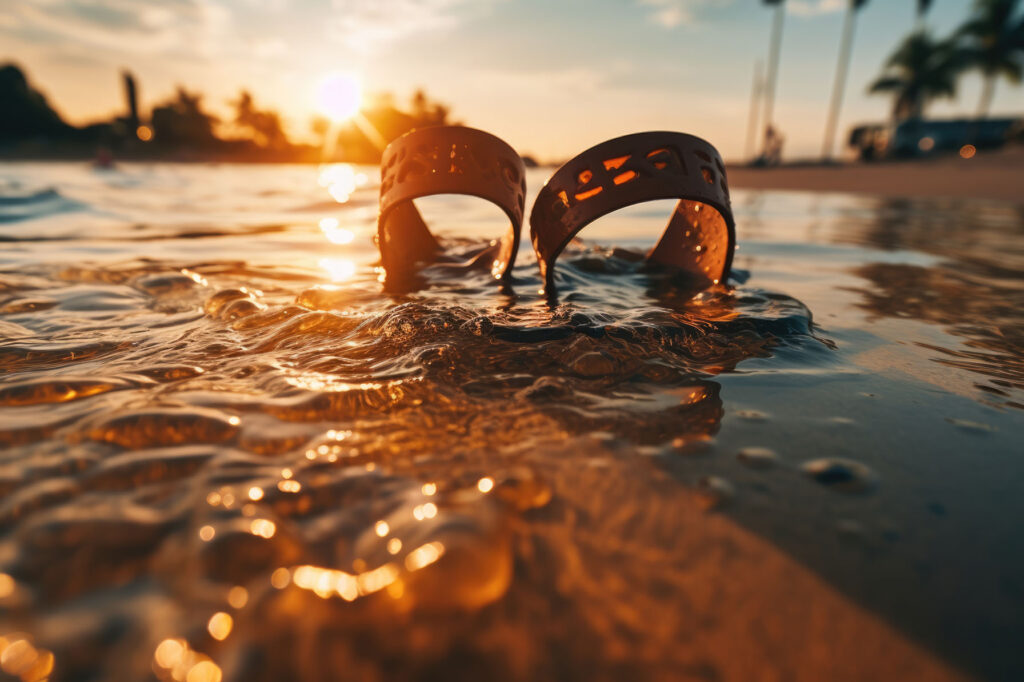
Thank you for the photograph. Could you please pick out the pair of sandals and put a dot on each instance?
(700, 236)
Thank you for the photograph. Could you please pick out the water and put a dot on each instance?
(226, 452)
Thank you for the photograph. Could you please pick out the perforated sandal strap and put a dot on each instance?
(700, 235)
(445, 160)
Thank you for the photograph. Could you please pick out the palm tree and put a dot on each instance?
(993, 42)
(773, 64)
(842, 68)
(921, 69)
(922, 9)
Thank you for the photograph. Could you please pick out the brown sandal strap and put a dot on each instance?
(445, 160)
(700, 235)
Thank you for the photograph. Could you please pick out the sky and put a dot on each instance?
(551, 77)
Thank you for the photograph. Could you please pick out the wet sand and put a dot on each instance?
(995, 175)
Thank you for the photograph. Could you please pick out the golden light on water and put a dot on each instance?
(219, 625)
(201, 281)
(339, 96)
(280, 578)
(423, 556)
(6, 585)
(338, 269)
(204, 671)
(424, 511)
(20, 658)
(325, 582)
(334, 233)
(381, 528)
(289, 486)
(206, 533)
(485, 485)
(255, 493)
(238, 597)
(176, 661)
(377, 579)
(429, 489)
(169, 652)
(263, 528)
(340, 180)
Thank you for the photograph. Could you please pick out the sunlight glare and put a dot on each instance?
(334, 233)
(341, 180)
(339, 269)
(339, 96)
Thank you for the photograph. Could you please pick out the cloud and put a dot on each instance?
(367, 26)
(809, 8)
(179, 27)
(270, 49)
(529, 85)
(672, 13)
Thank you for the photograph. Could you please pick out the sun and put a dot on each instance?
(339, 96)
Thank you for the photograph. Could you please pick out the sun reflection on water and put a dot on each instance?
(338, 269)
(341, 180)
(20, 659)
(334, 233)
(174, 660)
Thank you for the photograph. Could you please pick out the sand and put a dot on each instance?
(997, 175)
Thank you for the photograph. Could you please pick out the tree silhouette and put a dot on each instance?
(426, 112)
(992, 42)
(920, 70)
(387, 122)
(25, 112)
(182, 121)
(263, 125)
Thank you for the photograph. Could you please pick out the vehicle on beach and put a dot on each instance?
(918, 137)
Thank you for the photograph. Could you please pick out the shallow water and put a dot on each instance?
(225, 450)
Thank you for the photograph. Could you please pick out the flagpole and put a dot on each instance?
(773, 68)
(842, 69)
(755, 100)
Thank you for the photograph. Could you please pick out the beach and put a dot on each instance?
(994, 175)
(226, 447)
